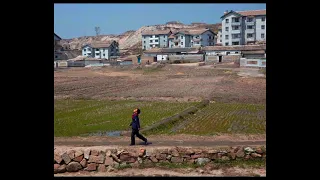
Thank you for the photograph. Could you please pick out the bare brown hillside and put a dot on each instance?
(130, 40)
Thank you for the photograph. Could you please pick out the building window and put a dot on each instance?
(227, 44)
(156, 36)
(249, 35)
(227, 37)
(227, 28)
(181, 37)
(151, 41)
(56, 56)
(97, 54)
(236, 19)
(236, 52)
(234, 36)
(235, 43)
(156, 40)
(84, 50)
(263, 19)
(262, 35)
(227, 20)
(220, 40)
(228, 53)
(144, 42)
(164, 40)
(235, 27)
(181, 43)
(144, 47)
(262, 26)
(249, 27)
(250, 20)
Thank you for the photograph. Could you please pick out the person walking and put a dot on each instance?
(135, 124)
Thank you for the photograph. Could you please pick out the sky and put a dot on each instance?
(75, 20)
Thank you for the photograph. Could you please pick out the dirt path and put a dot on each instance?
(160, 172)
(162, 140)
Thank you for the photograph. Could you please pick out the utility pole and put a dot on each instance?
(97, 29)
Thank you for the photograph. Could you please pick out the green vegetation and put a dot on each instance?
(78, 117)
(218, 118)
(217, 164)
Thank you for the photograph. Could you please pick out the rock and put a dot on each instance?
(232, 155)
(110, 169)
(71, 153)
(212, 156)
(147, 161)
(61, 169)
(57, 158)
(126, 157)
(174, 153)
(96, 159)
(201, 171)
(246, 157)
(116, 165)
(248, 150)
(115, 158)
(55, 168)
(240, 153)
(73, 167)
(149, 152)
(153, 159)
(191, 161)
(119, 152)
(168, 157)
(86, 153)
(161, 156)
(94, 152)
(135, 164)
(164, 151)
(189, 152)
(195, 156)
(91, 167)
(83, 163)
(108, 153)
(78, 159)
(259, 150)
(212, 151)
(255, 155)
(225, 158)
(202, 161)
(176, 160)
(66, 158)
(78, 153)
(108, 161)
(102, 168)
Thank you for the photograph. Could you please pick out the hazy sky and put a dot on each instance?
(75, 20)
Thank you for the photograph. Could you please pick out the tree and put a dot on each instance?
(97, 29)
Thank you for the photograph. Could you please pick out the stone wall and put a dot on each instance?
(108, 159)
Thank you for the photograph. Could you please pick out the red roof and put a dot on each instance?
(252, 12)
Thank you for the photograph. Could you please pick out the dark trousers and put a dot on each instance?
(135, 132)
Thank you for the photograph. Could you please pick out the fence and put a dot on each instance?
(258, 63)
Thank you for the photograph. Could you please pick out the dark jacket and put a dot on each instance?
(135, 121)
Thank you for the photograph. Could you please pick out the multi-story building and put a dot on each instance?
(152, 39)
(104, 50)
(57, 47)
(243, 27)
(218, 37)
(192, 38)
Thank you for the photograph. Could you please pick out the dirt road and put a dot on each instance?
(163, 140)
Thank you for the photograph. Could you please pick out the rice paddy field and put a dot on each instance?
(101, 100)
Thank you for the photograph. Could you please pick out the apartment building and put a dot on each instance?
(101, 50)
(243, 27)
(192, 38)
(155, 39)
(218, 37)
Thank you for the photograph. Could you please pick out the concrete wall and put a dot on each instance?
(257, 63)
(108, 159)
(214, 58)
(191, 58)
(223, 52)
